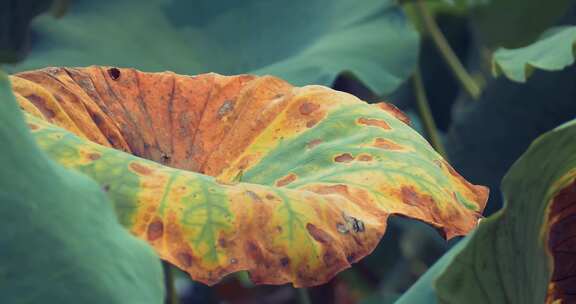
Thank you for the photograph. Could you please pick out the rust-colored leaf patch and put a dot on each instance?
(155, 230)
(562, 246)
(344, 158)
(386, 144)
(393, 110)
(374, 122)
(286, 180)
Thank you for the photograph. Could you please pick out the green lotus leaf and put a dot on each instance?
(304, 42)
(61, 241)
(553, 52)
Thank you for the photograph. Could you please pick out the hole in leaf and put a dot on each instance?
(114, 73)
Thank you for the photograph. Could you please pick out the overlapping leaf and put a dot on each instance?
(60, 240)
(553, 52)
(222, 174)
(302, 41)
(524, 253)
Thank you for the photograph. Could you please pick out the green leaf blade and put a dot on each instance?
(508, 258)
(553, 52)
(61, 241)
(304, 42)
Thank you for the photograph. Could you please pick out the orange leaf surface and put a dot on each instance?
(227, 173)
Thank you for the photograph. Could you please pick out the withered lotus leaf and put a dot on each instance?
(227, 173)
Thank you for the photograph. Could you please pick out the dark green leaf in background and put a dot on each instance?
(505, 260)
(423, 291)
(15, 18)
(60, 240)
(486, 137)
(302, 41)
(516, 23)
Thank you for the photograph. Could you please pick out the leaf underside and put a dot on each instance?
(227, 173)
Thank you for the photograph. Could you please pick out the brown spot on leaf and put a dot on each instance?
(351, 258)
(328, 258)
(344, 158)
(185, 259)
(255, 197)
(386, 144)
(318, 234)
(333, 189)
(284, 262)
(365, 157)
(94, 156)
(140, 169)
(114, 73)
(155, 230)
(392, 109)
(286, 180)
(373, 122)
(41, 105)
(438, 163)
(33, 126)
(307, 108)
(411, 197)
(85, 84)
(311, 123)
(255, 253)
(313, 143)
(226, 108)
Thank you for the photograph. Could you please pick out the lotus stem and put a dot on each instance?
(430, 25)
(171, 294)
(426, 115)
(303, 296)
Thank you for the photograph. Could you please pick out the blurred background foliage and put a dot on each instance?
(375, 49)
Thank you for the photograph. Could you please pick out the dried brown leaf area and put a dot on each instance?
(227, 173)
(562, 245)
